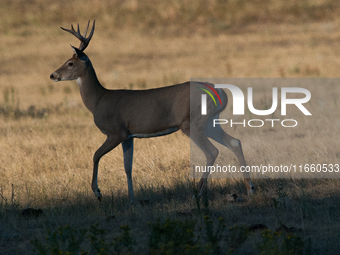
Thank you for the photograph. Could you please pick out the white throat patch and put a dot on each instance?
(79, 82)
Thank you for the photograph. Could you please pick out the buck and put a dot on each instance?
(123, 115)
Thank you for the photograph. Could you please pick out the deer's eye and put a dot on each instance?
(70, 64)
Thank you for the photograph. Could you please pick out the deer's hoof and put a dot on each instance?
(196, 196)
(98, 195)
(251, 190)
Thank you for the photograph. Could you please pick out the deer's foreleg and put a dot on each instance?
(128, 158)
(108, 145)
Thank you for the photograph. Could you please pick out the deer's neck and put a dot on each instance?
(90, 88)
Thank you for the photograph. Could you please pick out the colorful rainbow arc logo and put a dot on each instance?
(209, 93)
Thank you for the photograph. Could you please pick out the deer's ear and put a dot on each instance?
(78, 53)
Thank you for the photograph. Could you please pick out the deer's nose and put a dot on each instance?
(54, 77)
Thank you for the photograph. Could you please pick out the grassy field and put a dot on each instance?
(47, 136)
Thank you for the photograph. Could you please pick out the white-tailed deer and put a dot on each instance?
(123, 115)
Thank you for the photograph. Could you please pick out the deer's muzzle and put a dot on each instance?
(55, 77)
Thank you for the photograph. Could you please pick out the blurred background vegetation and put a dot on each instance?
(173, 17)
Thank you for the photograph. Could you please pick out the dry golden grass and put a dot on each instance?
(48, 158)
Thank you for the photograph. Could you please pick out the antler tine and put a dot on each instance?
(88, 23)
(92, 30)
(84, 42)
(78, 30)
(73, 28)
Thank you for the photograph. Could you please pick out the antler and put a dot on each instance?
(84, 41)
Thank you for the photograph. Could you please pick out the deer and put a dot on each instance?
(123, 115)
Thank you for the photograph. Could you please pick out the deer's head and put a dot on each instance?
(75, 66)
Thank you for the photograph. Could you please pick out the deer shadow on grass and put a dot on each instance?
(314, 215)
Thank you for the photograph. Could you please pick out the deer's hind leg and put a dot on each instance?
(199, 137)
(219, 135)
